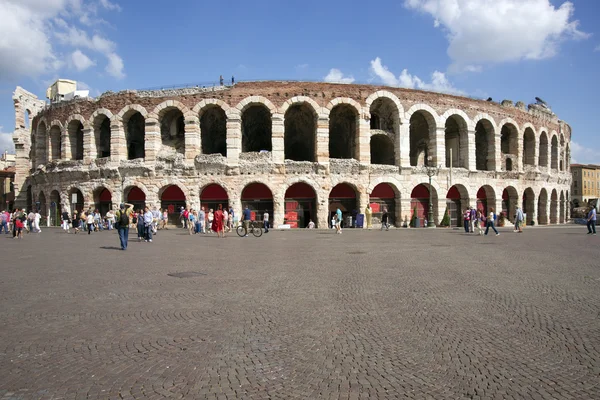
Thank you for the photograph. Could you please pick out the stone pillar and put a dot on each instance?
(192, 137)
(323, 212)
(438, 146)
(65, 150)
(549, 163)
(277, 141)
(362, 200)
(89, 145)
(403, 209)
(322, 144)
(363, 145)
(520, 153)
(152, 140)
(536, 156)
(495, 155)
(234, 139)
(403, 146)
(118, 142)
(278, 209)
(469, 151)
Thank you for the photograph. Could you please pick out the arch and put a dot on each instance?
(41, 205)
(543, 207)
(129, 110)
(457, 199)
(562, 160)
(382, 150)
(343, 130)
(509, 143)
(103, 199)
(543, 151)
(554, 207)
(383, 198)
(485, 144)
(257, 126)
(510, 197)
(213, 194)
(56, 208)
(385, 112)
(554, 152)
(255, 100)
(134, 124)
(136, 196)
(75, 131)
(300, 131)
(422, 131)
(258, 197)
(300, 205)
(299, 100)
(172, 129)
(486, 199)
(384, 94)
(100, 121)
(342, 100)
(213, 127)
(41, 147)
(419, 204)
(562, 214)
(78, 203)
(529, 205)
(166, 106)
(529, 144)
(456, 139)
(343, 196)
(199, 108)
(172, 198)
(55, 142)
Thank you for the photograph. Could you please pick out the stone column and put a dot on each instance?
(234, 140)
(323, 212)
(118, 142)
(470, 151)
(438, 146)
(278, 209)
(152, 140)
(520, 153)
(363, 144)
(495, 155)
(403, 146)
(404, 210)
(89, 145)
(536, 156)
(322, 144)
(549, 163)
(65, 150)
(192, 137)
(277, 140)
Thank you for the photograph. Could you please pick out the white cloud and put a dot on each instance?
(80, 61)
(439, 82)
(584, 154)
(110, 6)
(6, 142)
(336, 76)
(597, 48)
(495, 31)
(27, 28)
(115, 66)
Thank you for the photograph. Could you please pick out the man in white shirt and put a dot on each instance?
(110, 218)
(36, 221)
(266, 221)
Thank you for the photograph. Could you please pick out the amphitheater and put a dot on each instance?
(296, 149)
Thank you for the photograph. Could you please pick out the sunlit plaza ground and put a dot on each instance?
(409, 313)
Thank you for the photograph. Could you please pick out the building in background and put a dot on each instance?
(586, 183)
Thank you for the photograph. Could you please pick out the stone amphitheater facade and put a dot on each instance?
(320, 142)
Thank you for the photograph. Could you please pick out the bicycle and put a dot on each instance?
(253, 228)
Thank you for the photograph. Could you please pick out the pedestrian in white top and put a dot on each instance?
(36, 222)
(266, 221)
(90, 222)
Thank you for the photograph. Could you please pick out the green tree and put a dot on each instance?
(446, 219)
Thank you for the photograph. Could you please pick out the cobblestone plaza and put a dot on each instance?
(410, 313)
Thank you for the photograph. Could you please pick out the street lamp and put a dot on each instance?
(430, 170)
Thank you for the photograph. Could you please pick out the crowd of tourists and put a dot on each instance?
(475, 220)
(19, 221)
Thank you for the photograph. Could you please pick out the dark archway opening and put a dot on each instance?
(528, 206)
(455, 139)
(102, 135)
(173, 199)
(136, 135)
(55, 143)
(259, 199)
(543, 154)
(529, 147)
(509, 203)
(383, 197)
(75, 129)
(213, 129)
(300, 205)
(42, 207)
(509, 145)
(56, 208)
(543, 207)
(213, 195)
(300, 133)
(172, 132)
(382, 150)
(419, 139)
(77, 201)
(137, 198)
(454, 206)
(419, 205)
(343, 131)
(256, 129)
(103, 200)
(484, 145)
(343, 196)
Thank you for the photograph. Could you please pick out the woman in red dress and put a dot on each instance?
(217, 225)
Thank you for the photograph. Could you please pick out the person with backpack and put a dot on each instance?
(519, 217)
(490, 222)
(122, 222)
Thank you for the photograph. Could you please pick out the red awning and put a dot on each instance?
(342, 191)
(256, 191)
(213, 192)
(383, 191)
(300, 190)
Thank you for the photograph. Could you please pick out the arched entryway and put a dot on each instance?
(76, 199)
(300, 205)
(486, 199)
(554, 207)
(343, 196)
(42, 207)
(102, 200)
(419, 203)
(343, 131)
(510, 198)
(543, 207)
(456, 202)
(56, 208)
(172, 198)
(29, 199)
(259, 199)
(484, 146)
(529, 205)
(383, 197)
(135, 196)
(300, 132)
(212, 195)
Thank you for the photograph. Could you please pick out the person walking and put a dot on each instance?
(338, 221)
(519, 217)
(4, 222)
(385, 219)
(230, 221)
(138, 220)
(36, 222)
(225, 220)
(155, 219)
(19, 225)
(164, 219)
(466, 219)
(490, 222)
(122, 221)
(147, 219)
(210, 217)
(472, 219)
(65, 220)
(266, 221)
(90, 222)
(246, 215)
(479, 221)
(217, 223)
(202, 220)
(591, 221)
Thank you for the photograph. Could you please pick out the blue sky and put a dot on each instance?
(505, 49)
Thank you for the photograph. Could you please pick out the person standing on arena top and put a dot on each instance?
(122, 222)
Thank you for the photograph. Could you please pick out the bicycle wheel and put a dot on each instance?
(257, 232)
(240, 231)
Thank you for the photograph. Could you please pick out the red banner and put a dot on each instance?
(171, 208)
(291, 216)
(375, 207)
(253, 215)
(291, 205)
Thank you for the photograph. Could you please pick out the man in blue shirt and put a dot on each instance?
(246, 219)
(338, 221)
(591, 221)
